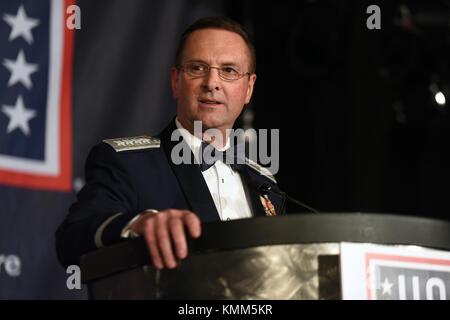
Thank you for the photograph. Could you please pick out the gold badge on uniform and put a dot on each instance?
(268, 206)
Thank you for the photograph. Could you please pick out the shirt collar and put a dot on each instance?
(194, 142)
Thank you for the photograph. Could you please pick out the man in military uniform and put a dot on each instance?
(133, 186)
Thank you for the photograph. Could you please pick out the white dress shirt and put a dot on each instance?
(224, 184)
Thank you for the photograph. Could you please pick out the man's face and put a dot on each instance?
(215, 102)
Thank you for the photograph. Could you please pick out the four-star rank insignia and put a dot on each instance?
(133, 143)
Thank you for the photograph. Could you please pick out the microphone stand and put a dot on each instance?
(266, 189)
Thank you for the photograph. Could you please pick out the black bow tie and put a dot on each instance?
(231, 156)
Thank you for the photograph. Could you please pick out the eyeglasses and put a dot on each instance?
(199, 69)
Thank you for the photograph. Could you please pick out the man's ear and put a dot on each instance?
(250, 86)
(174, 81)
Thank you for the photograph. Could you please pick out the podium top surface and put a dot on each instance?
(327, 227)
(299, 228)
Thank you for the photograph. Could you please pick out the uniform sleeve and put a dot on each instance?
(103, 208)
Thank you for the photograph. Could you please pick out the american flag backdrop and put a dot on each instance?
(61, 92)
(35, 117)
(36, 56)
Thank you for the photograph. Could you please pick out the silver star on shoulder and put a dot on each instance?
(386, 286)
(19, 116)
(20, 70)
(21, 25)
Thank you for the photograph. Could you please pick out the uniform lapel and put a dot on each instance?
(251, 190)
(190, 179)
(251, 180)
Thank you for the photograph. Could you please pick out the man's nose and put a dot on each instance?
(211, 81)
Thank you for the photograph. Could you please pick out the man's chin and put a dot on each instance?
(212, 121)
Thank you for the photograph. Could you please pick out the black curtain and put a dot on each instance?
(359, 124)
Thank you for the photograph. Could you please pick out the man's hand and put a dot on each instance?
(165, 229)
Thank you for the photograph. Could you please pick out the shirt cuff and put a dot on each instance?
(127, 232)
(99, 232)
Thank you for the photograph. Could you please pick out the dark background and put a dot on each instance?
(360, 129)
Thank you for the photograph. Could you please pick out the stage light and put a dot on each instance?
(440, 98)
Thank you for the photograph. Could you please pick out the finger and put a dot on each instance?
(178, 235)
(150, 238)
(193, 224)
(163, 241)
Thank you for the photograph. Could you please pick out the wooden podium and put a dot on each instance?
(288, 257)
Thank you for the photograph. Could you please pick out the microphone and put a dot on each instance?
(266, 188)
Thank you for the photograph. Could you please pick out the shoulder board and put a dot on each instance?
(133, 143)
(261, 170)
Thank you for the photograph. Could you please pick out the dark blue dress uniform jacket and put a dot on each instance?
(130, 182)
